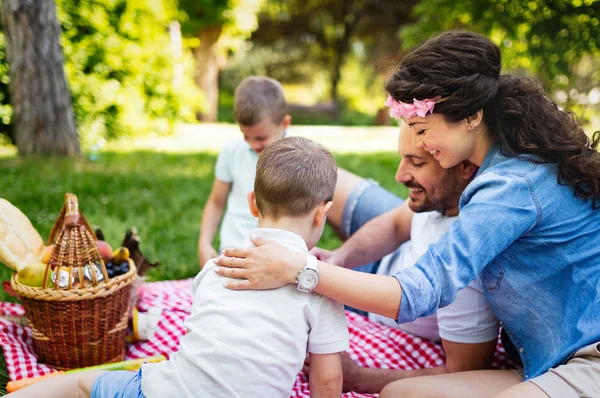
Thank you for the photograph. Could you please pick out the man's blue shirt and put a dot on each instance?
(537, 248)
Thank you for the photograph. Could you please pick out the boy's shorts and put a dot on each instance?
(118, 384)
(366, 201)
(577, 377)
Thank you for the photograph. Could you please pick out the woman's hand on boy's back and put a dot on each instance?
(267, 266)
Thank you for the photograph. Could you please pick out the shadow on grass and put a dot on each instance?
(161, 194)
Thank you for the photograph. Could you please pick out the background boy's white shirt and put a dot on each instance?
(249, 343)
(236, 164)
(469, 319)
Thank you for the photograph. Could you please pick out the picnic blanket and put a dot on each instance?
(371, 344)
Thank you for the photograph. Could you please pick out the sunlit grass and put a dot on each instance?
(162, 194)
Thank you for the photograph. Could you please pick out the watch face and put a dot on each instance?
(308, 279)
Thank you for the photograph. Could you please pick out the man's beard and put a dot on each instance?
(439, 197)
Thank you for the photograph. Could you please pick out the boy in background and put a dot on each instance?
(249, 343)
(261, 112)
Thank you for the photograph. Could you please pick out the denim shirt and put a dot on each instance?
(536, 247)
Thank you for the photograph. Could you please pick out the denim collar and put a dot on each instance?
(488, 158)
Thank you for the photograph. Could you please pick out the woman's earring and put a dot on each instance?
(470, 127)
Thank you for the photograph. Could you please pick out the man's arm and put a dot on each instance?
(378, 237)
(211, 218)
(325, 375)
(459, 357)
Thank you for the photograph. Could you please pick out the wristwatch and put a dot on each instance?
(308, 278)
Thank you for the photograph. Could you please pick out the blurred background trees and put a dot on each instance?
(43, 114)
(556, 42)
(215, 27)
(136, 67)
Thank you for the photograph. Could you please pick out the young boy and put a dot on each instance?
(261, 112)
(249, 343)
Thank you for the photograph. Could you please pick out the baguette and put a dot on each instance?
(20, 242)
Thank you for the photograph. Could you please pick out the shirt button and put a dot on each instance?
(521, 349)
(526, 376)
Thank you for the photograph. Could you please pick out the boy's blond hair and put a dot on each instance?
(293, 176)
(257, 98)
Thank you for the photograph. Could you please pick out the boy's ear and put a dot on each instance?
(321, 214)
(252, 204)
(287, 121)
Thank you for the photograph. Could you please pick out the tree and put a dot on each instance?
(127, 75)
(43, 114)
(217, 26)
(322, 33)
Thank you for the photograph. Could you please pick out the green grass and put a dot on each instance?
(162, 194)
(347, 117)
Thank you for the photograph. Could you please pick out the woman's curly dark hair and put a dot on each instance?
(522, 119)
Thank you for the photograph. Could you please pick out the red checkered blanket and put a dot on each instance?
(371, 344)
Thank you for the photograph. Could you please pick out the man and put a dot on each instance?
(377, 223)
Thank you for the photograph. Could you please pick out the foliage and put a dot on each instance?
(547, 36)
(322, 52)
(198, 14)
(5, 108)
(162, 194)
(120, 68)
(547, 39)
(298, 39)
(235, 18)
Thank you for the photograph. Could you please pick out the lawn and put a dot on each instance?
(162, 194)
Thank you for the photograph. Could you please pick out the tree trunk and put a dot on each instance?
(43, 115)
(342, 45)
(177, 53)
(208, 65)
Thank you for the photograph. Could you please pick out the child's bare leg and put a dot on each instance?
(74, 385)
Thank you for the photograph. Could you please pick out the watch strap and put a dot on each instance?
(311, 263)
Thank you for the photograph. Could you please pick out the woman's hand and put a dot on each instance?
(267, 266)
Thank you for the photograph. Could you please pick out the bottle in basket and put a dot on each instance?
(61, 277)
(96, 268)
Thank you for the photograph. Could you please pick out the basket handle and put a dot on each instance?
(69, 216)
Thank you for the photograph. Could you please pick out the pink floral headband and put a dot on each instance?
(407, 110)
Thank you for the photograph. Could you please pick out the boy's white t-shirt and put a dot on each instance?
(249, 343)
(236, 164)
(469, 319)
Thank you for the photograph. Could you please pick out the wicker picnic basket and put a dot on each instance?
(75, 325)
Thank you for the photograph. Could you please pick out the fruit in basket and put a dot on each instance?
(33, 275)
(122, 268)
(120, 255)
(106, 252)
(46, 253)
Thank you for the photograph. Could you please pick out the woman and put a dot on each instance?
(529, 224)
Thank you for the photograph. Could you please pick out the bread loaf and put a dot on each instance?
(20, 242)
